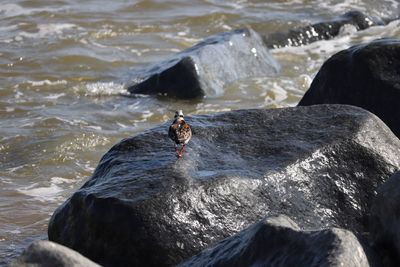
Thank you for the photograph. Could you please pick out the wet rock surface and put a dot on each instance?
(385, 221)
(278, 241)
(203, 70)
(364, 75)
(48, 254)
(323, 30)
(320, 165)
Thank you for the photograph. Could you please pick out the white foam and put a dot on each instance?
(60, 180)
(13, 231)
(329, 47)
(122, 126)
(49, 30)
(102, 89)
(238, 4)
(47, 82)
(97, 128)
(378, 8)
(341, 7)
(54, 96)
(10, 109)
(147, 114)
(42, 194)
(47, 193)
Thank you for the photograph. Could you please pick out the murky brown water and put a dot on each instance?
(62, 65)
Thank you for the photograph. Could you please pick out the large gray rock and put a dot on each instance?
(49, 254)
(320, 165)
(385, 221)
(364, 75)
(204, 69)
(278, 241)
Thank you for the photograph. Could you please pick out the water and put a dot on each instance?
(62, 102)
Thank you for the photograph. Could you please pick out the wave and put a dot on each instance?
(14, 10)
(50, 193)
(101, 89)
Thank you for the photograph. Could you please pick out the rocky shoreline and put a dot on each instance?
(312, 185)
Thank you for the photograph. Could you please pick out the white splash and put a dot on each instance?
(343, 41)
(48, 30)
(51, 193)
(54, 96)
(47, 82)
(102, 89)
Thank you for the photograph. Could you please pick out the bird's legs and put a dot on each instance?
(182, 149)
(179, 151)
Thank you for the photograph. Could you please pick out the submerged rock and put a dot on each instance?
(278, 241)
(323, 30)
(49, 254)
(364, 75)
(385, 221)
(320, 165)
(205, 68)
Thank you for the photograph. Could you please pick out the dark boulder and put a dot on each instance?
(366, 76)
(385, 221)
(278, 241)
(320, 165)
(204, 69)
(49, 254)
(324, 30)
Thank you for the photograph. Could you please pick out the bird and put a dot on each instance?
(179, 132)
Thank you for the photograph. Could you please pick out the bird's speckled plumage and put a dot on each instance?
(179, 132)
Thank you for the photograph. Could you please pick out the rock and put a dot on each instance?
(385, 221)
(323, 30)
(278, 241)
(49, 254)
(364, 75)
(320, 165)
(204, 69)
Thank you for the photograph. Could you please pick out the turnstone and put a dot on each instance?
(180, 133)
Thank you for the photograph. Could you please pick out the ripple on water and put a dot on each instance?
(12, 10)
(52, 192)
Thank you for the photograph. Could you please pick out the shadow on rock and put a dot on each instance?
(385, 221)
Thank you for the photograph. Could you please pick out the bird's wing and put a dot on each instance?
(185, 132)
(172, 132)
